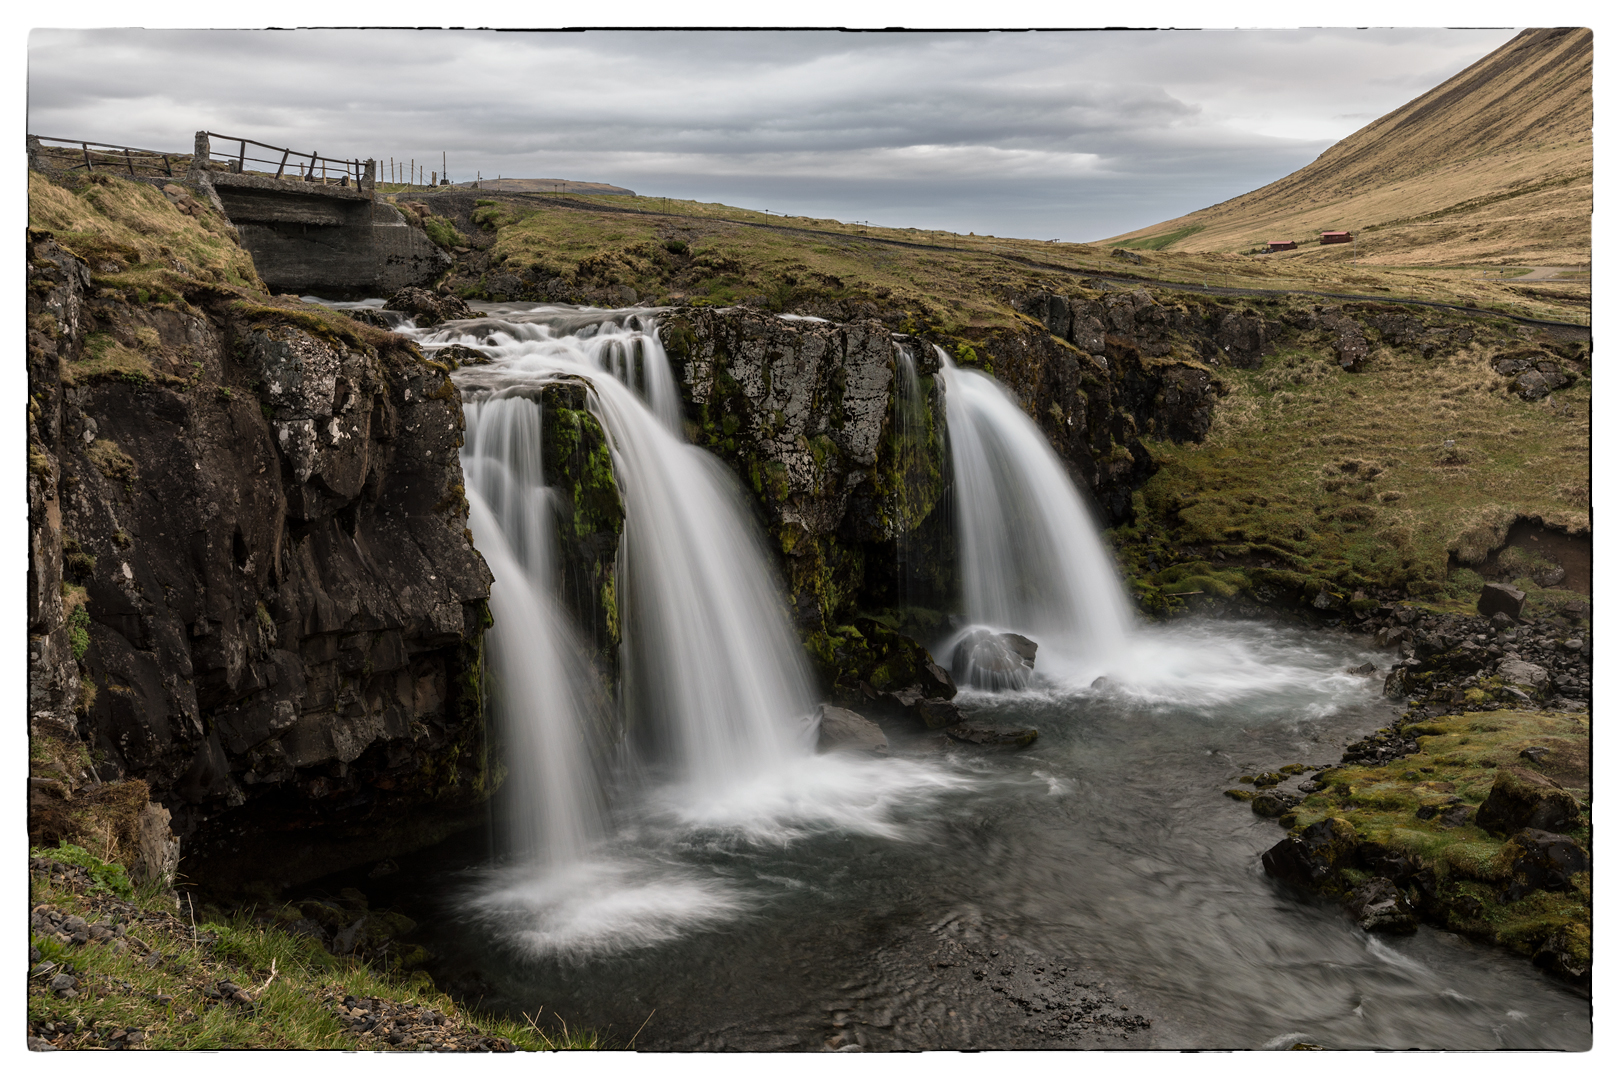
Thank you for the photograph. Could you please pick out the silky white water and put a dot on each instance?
(715, 690)
(1031, 557)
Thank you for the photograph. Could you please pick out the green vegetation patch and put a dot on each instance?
(163, 979)
(133, 238)
(1160, 242)
(1314, 479)
(1402, 807)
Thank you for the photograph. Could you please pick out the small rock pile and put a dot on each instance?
(1495, 660)
(428, 308)
(394, 1025)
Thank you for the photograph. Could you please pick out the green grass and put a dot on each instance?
(1160, 242)
(1313, 478)
(293, 980)
(1458, 758)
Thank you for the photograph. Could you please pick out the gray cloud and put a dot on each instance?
(1075, 135)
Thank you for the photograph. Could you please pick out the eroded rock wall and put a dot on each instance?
(251, 583)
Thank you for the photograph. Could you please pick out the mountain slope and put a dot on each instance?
(1493, 166)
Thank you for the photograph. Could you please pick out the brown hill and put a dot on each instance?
(1491, 167)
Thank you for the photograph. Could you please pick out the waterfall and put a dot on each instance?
(1032, 560)
(715, 748)
(543, 695)
(715, 687)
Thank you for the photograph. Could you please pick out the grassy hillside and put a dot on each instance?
(1491, 168)
(671, 250)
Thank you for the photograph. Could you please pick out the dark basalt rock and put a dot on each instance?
(284, 604)
(1379, 907)
(1273, 803)
(429, 308)
(1535, 859)
(1315, 856)
(987, 736)
(1521, 799)
(1495, 597)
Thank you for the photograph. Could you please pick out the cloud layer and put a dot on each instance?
(1073, 135)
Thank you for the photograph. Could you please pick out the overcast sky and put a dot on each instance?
(1070, 135)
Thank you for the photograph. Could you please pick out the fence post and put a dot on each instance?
(167, 168)
(87, 166)
(283, 166)
(129, 161)
(241, 157)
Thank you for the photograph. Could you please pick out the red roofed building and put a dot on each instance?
(1280, 245)
(1335, 238)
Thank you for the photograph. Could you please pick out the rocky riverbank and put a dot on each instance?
(1472, 812)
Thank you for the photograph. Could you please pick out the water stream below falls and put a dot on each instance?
(730, 889)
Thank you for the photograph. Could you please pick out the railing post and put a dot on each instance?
(283, 166)
(129, 161)
(87, 166)
(370, 180)
(200, 154)
(167, 168)
(241, 157)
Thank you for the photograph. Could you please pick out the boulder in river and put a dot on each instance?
(842, 729)
(1314, 856)
(1521, 799)
(993, 661)
(989, 736)
(1378, 905)
(429, 308)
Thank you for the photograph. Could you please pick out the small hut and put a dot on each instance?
(1280, 245)
(1335, 238)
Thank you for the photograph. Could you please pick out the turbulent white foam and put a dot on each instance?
(600, 906)
(840, 793)
(530, 342)
(1202, 663)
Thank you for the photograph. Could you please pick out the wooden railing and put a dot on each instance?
(89, 156)
(311, 167)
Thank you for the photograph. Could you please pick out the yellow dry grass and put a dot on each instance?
(1491, 168)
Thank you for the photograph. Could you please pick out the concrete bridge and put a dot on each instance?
(313, 224)
(308, 236)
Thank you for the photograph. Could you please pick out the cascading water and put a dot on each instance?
(543, 697)
(715, 688)
(1032, 560)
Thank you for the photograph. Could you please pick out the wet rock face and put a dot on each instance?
(1537, 859)
(803, 413)
(428, 308)
(283, 606)
(1378, 906)
(804, 405)
(992, 661)
(842, 729)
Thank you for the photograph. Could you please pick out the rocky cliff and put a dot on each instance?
(813, 417)
(251, 586)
